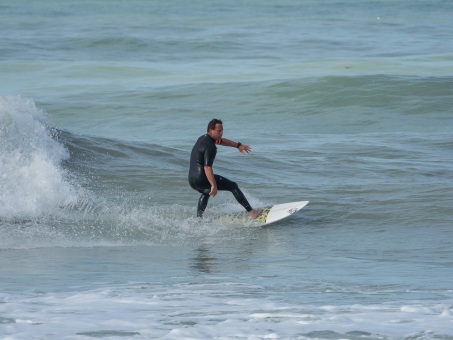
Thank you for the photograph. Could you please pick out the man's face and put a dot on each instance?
(217, 133)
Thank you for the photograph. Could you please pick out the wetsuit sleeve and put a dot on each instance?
(209, 155)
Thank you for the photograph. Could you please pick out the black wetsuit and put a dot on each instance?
(203, 154)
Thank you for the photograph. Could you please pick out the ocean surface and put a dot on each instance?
(345, 103)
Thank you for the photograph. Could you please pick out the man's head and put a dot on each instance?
(212, 124)
(215, 129)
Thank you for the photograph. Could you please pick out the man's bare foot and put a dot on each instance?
(255, 213)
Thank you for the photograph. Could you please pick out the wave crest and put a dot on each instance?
(32, 180)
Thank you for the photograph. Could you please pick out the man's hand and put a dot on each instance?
(244, 148)
(213, 191)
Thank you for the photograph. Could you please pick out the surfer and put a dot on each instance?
(201, 175)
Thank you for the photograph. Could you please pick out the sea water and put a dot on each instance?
(347, 104)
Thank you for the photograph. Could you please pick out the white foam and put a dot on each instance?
(178, 312)
(32, 180)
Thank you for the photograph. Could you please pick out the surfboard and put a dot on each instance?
(271, 214)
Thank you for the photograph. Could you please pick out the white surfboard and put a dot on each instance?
(278, 212)
(270, 214)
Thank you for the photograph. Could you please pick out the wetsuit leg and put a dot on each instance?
(223, 184)
(227, 185)
(202, 203)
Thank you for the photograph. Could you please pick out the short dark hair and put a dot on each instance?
(212, 124)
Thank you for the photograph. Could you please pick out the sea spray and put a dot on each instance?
(32, 179)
